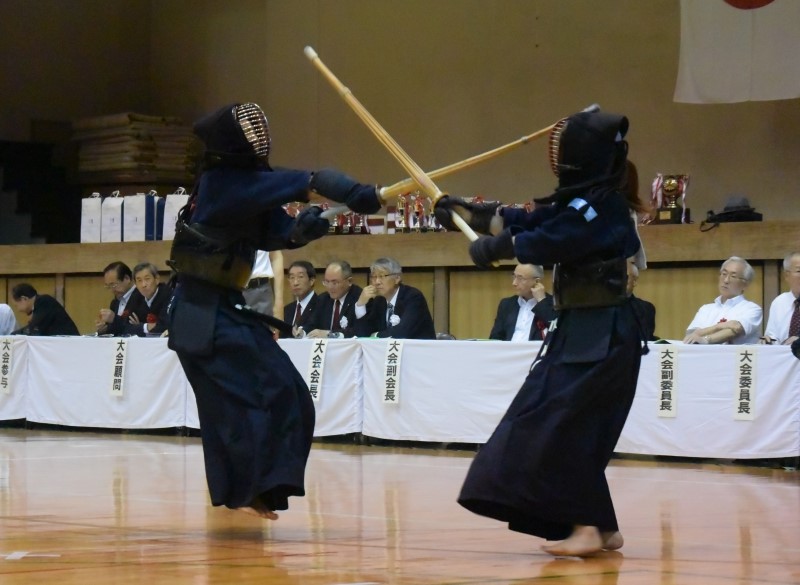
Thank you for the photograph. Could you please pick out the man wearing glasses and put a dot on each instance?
(118, 278)
(388, 308)
(526, 315)
(335, 315)
(730, 318)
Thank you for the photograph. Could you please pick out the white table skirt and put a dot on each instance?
(449, 391)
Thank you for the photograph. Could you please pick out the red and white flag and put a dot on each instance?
(739, 51)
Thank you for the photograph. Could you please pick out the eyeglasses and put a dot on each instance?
(113, 285)
(334, 283)
(724, 275)
(516, 277)
(382, 276)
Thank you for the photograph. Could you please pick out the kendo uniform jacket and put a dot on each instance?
(305, 316)
(412, 309)
(256, 413)
(506, 320)
(543, 469)
(323, 313)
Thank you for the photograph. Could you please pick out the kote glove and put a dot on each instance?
(487, 249)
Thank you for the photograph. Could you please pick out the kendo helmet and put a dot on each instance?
(235, 130)
(588, 148)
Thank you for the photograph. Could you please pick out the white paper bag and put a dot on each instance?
(111, 218)
(174, 203)
(139, 223)
(90, 219)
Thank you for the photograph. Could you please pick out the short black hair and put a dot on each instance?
(121, 269)
(307, 266)
(23, 290)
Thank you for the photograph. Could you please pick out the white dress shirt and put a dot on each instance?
(739, 309)
(780, 314)
(522, 330)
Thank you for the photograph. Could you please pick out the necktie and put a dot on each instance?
(794, 324)
(389, 313)
(335, 325)
(297, 314)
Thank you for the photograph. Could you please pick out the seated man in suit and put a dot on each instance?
(731, 318)
(527, 315)
(118, 277)
(645, 311)
(156, 296)
(388, 308)
(302, 277)
(783, 325)
(335, 314)
(47, 316)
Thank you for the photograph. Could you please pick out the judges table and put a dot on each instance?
(695, 401)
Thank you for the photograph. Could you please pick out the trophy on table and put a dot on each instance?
(669, 199)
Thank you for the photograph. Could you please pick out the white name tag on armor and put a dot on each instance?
(391, 372)
(667, 381)
(745, 376)
(316, 367)
(118, 371)
(6, 363)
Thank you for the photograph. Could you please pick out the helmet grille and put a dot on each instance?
(255, 127)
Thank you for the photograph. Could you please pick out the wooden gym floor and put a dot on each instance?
(91, 508)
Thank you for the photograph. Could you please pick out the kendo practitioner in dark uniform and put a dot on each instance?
(256, 414)
(543, 469)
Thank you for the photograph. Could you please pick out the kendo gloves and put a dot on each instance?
(308, 225)
(478, 216)
(339, 187)
(487, 249)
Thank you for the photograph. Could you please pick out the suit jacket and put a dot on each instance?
(155, 313)
(323, 313)
(506, 320)
(305, 316)
(49, 318)
(136, 305)
(645, 312)
(412, 308)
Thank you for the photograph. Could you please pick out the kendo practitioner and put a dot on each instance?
(256, 414)
(543, 469)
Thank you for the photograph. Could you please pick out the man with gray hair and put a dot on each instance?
(730, 318)
(526, 315)
(388, 308)
(335, 315)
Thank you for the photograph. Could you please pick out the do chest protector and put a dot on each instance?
(213, 255)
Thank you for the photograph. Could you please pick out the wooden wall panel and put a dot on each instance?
(84, 297)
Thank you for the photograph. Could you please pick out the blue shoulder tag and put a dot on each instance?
(583, 207)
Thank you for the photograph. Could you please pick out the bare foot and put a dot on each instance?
(584, 541)
(612, 540)
(265, 514)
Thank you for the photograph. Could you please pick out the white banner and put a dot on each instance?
(391, 371)
(731, 54)
(667, 380)
(6, 364)
(118, 371)
(745, 377)
(316, 367)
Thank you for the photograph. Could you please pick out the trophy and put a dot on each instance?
(669, 199)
